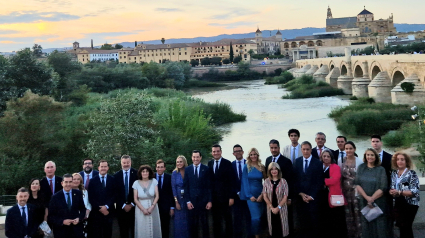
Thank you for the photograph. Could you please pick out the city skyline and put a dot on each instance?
(58, 23)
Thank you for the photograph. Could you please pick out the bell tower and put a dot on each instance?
(329, 13)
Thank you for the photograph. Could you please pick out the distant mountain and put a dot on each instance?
(288, 34)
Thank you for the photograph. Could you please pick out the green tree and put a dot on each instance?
(106, 46)
(237, 59)
(205, 61)
(135, 43)
(118, 46)
(277, 51)
(194, 62)
(163, 40)
(251, 53)
(63, 64)
(37, 50)
(226, 61)
(175, 72)
(215, 61)
(156, 74)
(125, 125)
(231, 52)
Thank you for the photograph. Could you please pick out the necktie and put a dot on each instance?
(216, 166)
(68, 202)
(51, 186)
(196, 171)
(306, 166)
(126, 185)
(274, 159)
(293, 154)
(320, 151)
(160, 182)
(87, 182)
(240, 170)
(24, 216)
(103, 182)
(342, 157)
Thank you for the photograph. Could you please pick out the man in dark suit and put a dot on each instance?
(166, 198)
(124, 199)
(386, 163)
(102, 197)
(88, 172)
(240, 210)
(340, 153)
(67, 211)
(223, 193)
(20, 218)
(287, 169)
(50, 184)
(320, 141)
(308, 181)
(197, 195)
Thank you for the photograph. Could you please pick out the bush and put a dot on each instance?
(284, 77)
(408, 87)
(307, 87)
(353, 98)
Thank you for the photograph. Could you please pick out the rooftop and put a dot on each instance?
(364, 12)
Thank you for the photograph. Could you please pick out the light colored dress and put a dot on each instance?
(147, 226)
(86, 200)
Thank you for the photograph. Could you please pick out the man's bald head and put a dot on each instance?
(50, 169)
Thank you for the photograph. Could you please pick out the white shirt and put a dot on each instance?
(242, 161)
(100, 176)
(276, 158)
(304, 161)
(296, 152)
(85, 176)
(26, 210)
(381, 154)
(215, 162)
(66, 196)
(53, 182)
(318, 150)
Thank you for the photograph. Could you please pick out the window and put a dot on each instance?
(125, 57)
(180, 53)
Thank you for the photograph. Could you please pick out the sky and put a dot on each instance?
(58, 23)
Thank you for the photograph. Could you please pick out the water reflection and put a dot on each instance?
(270, 117)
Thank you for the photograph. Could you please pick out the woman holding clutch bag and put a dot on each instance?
(330, 214)
(371, 184)
(405, 190)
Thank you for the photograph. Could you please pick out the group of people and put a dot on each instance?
(300, 191)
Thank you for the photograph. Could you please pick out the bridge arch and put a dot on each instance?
(344, 69)
(358, 72)
(397, 76)
(375, 69)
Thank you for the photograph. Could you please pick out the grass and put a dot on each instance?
(193, 83)
(283, 78)
(307, 87)
(365, 117)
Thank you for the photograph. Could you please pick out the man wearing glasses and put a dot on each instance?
(88, 173)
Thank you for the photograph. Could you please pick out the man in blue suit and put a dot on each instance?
(124, 197)
(20, 218)
(240, 210)
(308, 180)
(197, 195)
(102, 193)
(88, 172)
(67, 211)
(166, 198)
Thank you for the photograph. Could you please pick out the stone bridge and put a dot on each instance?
(376, 76)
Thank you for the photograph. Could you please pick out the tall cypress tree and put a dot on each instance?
(231, 52)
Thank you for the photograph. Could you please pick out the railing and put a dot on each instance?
(7, 200)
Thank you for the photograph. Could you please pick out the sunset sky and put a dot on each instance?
(58, 23)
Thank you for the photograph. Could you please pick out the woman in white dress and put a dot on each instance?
(147, 222)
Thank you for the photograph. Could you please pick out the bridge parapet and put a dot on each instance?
(320, 75)
(399, 96)
(380, 88)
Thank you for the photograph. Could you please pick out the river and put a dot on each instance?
(270, 117)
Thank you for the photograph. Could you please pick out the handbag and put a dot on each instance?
(337, 200)
(46, 230)
(371, 213)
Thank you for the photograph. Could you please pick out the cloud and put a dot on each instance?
(233, 24)
(3, 32)
(235, 12)
(163, 9)
(34, 16)
(104, 10)
(8, 42)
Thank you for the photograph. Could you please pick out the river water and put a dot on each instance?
(270, 117)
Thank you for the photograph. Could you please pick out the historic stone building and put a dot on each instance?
(365, 23)
(268, 45)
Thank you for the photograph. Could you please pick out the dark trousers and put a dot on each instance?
(164, 215)
(100, 225)
(241, 219)
(126, 222)
(405, 215)
(198, 219)
(222, 212)
(307, 214)
(71, 231)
